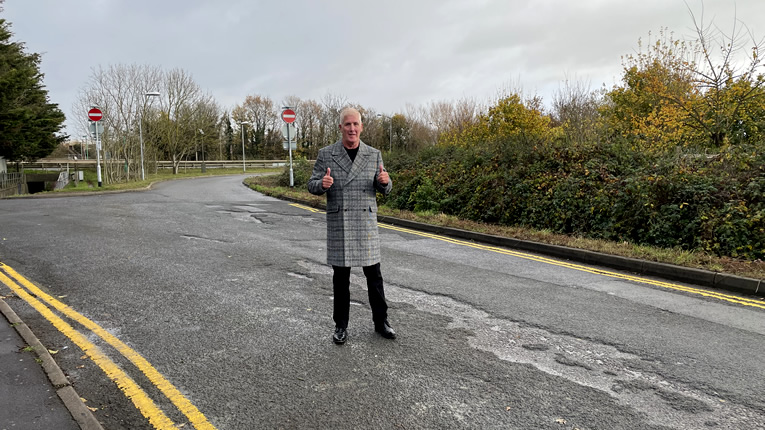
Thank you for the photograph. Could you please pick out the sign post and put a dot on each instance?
(288, 116)
(95, 115)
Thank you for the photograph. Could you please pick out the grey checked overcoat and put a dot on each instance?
(352, 238)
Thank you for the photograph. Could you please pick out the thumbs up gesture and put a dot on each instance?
(327, 180)
(382, 176)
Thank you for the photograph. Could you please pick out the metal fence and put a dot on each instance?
(190, 164)
(12, 184)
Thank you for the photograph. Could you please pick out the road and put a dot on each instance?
(215, 301)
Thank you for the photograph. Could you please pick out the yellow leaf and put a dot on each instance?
(92, 409)
(53, 351)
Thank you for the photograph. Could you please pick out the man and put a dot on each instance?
(351, 173)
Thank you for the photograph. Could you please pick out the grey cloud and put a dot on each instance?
(381, 54)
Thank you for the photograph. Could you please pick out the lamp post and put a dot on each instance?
(202, 132)
(84, 147)
(244, 165)
(140, 128)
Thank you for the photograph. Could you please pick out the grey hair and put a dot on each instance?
(349, 111)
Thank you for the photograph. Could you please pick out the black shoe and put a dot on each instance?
(385, 330)
(340, 336)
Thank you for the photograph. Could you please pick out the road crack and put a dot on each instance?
(191, 236)
(582, 361)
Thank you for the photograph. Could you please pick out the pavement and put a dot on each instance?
(37, 396)
(34, 392)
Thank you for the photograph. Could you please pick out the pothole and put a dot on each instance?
(248, 208)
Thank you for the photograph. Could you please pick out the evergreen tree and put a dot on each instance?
(29, 123)
(228, 136)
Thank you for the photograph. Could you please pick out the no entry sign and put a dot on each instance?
(288, 116)
(95, 114)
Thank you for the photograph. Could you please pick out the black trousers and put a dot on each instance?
(341, 282)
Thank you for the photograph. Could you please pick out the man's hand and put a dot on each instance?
(327, 180)
(383, 177)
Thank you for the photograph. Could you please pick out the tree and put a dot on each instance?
(401, 129)
(510, 120)
(706, 92)
(182, 103)
(261, 113)
(575, 110)
(422, 131)
(653, 107)
(308, 125)
(730, 90)
(119, 91)
(453, 118)
(29, 123)
(227, 137)
(329, 130)
(205, 124)
(171, 123)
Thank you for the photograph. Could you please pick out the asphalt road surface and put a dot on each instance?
(203, 304)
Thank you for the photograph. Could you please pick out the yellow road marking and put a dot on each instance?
(308, 208)
(132, 391)
(196, 417)
(668, 285)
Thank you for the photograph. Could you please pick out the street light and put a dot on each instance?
(244, 165)
(390, 132)
(202, 132)
(84, 147)
(140, 128)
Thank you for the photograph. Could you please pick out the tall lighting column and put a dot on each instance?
(84, 147)
(244, 165)
(202, 132)
(140, 128)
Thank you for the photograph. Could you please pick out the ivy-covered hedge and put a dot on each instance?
(693, 201)
(714, 202)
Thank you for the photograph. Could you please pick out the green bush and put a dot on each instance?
(301, 173)
(604, 190)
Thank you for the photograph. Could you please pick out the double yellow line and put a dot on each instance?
(668, 285)
(43, 303)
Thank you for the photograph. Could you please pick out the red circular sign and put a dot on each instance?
(288, 116)
(95, 114)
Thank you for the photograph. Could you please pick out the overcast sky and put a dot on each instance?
(381, 54)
